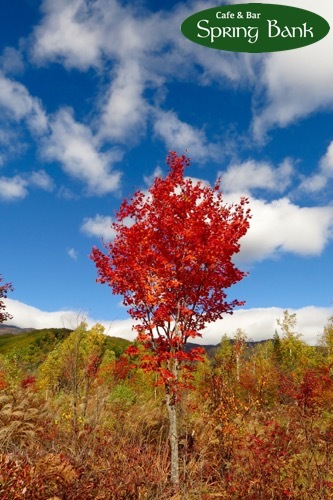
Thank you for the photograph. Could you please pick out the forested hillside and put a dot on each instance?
(32, 345)
(80, 418)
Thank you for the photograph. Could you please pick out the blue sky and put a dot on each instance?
(93, 95)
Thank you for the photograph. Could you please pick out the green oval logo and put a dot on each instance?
(255, 27)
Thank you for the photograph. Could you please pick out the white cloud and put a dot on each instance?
(99, 226)
(319, 180)
(327, 161)
(12, 189)
(276, 227)
(18, 104)
(82, 34)
(124, 111)
(16, 188)
(314, 183)
(72, 253)
(186, 60)
(11, 144)
(73, 145)
(253, 175)
(280, 226)
(26, 316)
(67, 34)
(42, 180)
(181, 136)
(296, 83)
(149, 179)
(258, 324)
(66, 194)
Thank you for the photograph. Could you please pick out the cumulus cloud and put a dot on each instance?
(62, 139)
(181, 136)
(319, 180)
(26, 316)
(99, 226)
(257, 175)
(73, 145)
(261, 323)
(42, 180)
(18, 104)
(81, 34)
(277, 226)
(295, 83)
(327, 161)
(258, 324)
(16, 188)
(124, 112)
(281, 226)
(12, 189)
(18, 107)
(314, 183)
(66, 34)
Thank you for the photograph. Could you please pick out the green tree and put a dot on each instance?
(326, 340)
(238, 348)
(295, 354)
(223, 357)
(277, 355)
(73, 365)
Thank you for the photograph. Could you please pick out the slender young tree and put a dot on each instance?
(4, 289)
(171, 260)
(326, 340)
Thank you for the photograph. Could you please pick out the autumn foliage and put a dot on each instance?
(171, 260)
(88, 424)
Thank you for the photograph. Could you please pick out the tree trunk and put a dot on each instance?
(237, 368)
(86, 397)
(171, 404)
(173, 438)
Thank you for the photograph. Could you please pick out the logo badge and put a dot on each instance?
(255, 27)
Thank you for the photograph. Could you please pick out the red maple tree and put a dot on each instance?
(171, 260)
(4, 289)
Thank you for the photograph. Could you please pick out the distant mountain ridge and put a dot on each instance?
(32, 345)
(15, 330)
